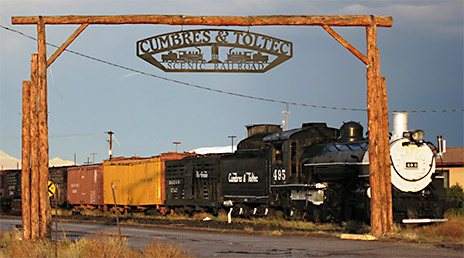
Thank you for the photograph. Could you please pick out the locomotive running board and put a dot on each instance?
(417, 221)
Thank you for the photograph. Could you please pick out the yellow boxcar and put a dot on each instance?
(137, 181)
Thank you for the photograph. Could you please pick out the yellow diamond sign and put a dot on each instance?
(51, 188)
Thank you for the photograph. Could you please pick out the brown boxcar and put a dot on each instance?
(137, 181)
(85, 185)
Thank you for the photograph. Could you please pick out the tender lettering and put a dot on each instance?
(247, 177)
(201, 174)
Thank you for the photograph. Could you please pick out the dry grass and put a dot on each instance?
(296, 224)
(95, 246)
(450, 231)
(157, 250)
(202, 215)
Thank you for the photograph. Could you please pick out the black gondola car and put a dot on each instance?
(58, 175)
(193, 182)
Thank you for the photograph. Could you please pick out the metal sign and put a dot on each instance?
(214, 50)
(51, 188)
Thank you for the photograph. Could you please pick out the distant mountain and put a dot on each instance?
(210, 150)
(9, 162)
(57, 162)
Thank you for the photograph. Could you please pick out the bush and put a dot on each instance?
(456, 194)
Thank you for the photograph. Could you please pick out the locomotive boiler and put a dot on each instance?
(341, 170)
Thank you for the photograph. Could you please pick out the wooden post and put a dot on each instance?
(43, 131)
(379, 147)
(117, 212)
(25, 162)
(35, 222)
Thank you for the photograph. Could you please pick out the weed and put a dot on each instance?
(450, 231)
(276, 233)
(156, 249)
(96, 246)
(356, 227)
(201, 215)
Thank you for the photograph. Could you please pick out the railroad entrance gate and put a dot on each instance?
(34, 103)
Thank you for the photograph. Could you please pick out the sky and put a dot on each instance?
(421, 56)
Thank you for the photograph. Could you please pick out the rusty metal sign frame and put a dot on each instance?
(193, 57)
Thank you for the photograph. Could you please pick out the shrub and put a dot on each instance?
(456, 194)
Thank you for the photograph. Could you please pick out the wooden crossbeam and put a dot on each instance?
(303, 20)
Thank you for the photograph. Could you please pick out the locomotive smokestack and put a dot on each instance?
(441, 146)
(400, 125)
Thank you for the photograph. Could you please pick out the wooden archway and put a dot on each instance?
(35, 121)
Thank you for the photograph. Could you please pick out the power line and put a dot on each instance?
(222, 91)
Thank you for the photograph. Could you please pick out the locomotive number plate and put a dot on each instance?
(412, 165)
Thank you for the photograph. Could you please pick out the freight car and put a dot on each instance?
(12, 188)
(5, 204)
(194, 184)
(137, 183)
(85, 186)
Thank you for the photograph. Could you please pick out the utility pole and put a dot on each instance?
(110, 151)
(286, 112)
(176, 143)
(232, 146)
(93, 157)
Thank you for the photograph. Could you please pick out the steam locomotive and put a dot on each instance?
(313, 172)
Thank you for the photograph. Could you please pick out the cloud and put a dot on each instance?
(445, 17)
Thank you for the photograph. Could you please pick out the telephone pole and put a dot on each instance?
(176, 143)
(286, 112)
(232, 137)
(110, 151)
(93, 157)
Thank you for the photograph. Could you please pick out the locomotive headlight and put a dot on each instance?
(417, 135)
